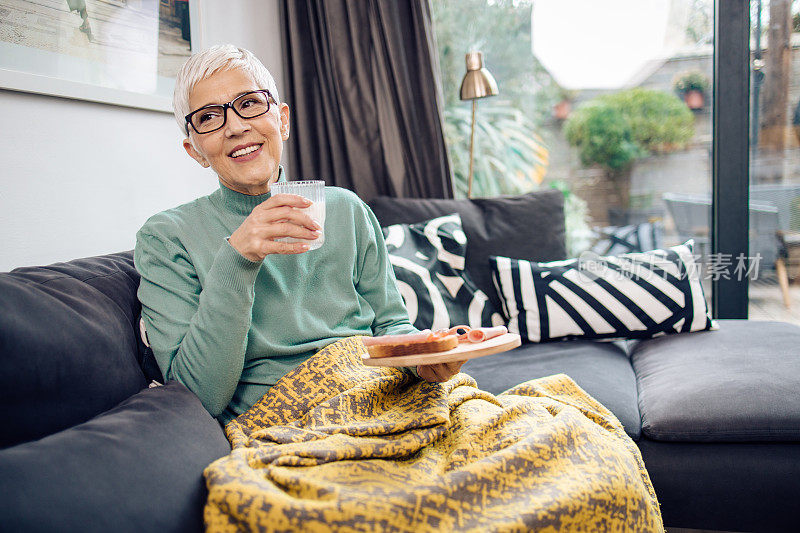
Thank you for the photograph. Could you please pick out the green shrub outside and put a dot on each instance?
(601, 135)
(659, 121)
(615, 129)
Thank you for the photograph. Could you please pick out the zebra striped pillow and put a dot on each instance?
(637, 295)
(428, 259)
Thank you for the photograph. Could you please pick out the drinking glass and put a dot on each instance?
(313, 190)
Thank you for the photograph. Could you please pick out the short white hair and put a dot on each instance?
(203, 65)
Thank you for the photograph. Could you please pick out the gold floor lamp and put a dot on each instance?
(477, 83)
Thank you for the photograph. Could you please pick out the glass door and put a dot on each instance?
(609, 101)
(774, 177)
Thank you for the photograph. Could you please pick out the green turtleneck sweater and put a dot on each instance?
(228, 328)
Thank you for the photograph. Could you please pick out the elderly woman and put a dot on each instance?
(229, 309)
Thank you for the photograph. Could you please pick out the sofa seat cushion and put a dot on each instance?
(600, 368)
(68, 342)
(529, 226)
(137, 467)
(739, 383)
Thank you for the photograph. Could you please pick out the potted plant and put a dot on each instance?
(691, 86)
(563, 107)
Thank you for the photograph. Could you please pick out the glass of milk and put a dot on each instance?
(313, 190)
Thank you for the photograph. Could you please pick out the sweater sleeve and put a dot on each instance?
(198, 333)
(376, 281)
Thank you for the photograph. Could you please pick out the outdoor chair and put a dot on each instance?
(786, 197)
(691, 214)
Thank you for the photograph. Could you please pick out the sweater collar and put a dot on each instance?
(239, 203)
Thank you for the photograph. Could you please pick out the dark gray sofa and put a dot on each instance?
(716, 414)
(87, 446)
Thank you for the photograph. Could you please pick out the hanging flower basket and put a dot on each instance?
(691, 86)
(562, 110)
(694, 100)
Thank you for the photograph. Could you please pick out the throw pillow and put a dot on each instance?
(615, 240)
(428, 262)
(637, 295)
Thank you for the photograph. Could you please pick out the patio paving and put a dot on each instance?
(766, 302)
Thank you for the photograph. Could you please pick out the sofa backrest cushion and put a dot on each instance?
(68, 343)
(137, 467)
(529, 226)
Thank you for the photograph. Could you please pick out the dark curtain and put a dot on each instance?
(363, 87)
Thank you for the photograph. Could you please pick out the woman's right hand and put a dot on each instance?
(279, 216)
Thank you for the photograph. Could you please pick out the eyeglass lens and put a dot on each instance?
(248, 105)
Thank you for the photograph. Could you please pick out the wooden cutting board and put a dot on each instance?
(462, 352)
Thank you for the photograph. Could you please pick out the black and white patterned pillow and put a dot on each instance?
(615, 240)
(428, 262)
(637, 295)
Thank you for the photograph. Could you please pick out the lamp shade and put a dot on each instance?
(477, 82)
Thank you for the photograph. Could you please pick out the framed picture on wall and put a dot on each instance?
(123, 52)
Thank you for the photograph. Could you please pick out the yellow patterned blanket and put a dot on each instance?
(336, 445)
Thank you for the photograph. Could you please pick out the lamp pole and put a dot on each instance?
(477, 83)
(471, 147)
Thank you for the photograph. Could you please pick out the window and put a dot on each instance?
(611, 102)
(774, 184)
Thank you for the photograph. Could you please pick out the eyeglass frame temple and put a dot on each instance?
(225, 107)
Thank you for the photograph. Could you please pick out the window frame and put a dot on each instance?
(730, 151)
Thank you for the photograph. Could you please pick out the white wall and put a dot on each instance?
(79, 178)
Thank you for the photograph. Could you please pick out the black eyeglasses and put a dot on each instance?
(213, 117)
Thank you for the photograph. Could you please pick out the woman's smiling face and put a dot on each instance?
(245, 153)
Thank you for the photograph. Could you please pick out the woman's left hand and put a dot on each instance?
(439, 372)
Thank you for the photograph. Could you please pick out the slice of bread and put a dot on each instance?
(393, 349)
